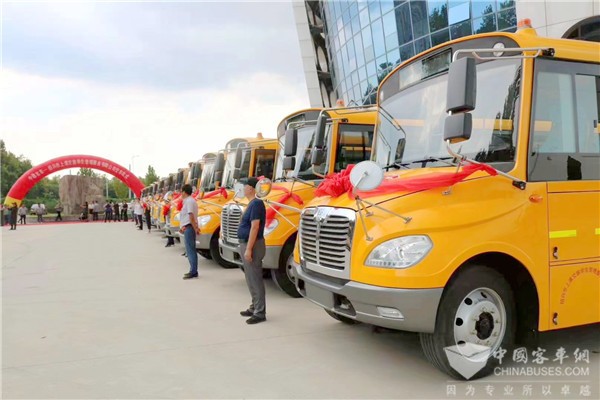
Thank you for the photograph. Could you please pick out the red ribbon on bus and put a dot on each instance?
(273, 208)
(338, 184)
(220, 191)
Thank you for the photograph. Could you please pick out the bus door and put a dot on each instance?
(565, 153)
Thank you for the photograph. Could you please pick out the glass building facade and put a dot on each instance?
(365, 40)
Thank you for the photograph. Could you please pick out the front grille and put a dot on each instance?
(230, 221)
(325, 236)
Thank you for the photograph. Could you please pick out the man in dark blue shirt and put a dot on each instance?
(252, 248)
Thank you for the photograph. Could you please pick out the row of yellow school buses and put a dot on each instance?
(476, 221)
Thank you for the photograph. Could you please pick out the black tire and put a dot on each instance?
(283, 276)
(216, 254)
(473, 288)
(205, 254)
(341, 318)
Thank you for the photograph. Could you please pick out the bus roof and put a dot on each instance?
(565, 49)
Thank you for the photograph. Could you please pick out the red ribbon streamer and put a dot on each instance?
(220, 191)
(337, 184)
(273, 208)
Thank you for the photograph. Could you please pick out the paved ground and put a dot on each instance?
(100, 311)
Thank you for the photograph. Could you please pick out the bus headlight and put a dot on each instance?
(203, 220)
(271, 226)
(402, 252)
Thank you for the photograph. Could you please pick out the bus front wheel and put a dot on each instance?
(475, 324)
(284, 275)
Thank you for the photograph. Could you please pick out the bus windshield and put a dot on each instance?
(228, 180)
(207, 181)
(303, 168)
(410, 124)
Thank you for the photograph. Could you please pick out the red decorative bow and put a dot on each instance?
(335, 185)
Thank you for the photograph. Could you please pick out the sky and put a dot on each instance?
(145, 83)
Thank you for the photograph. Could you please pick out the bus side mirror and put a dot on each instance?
(457, 127)
(289, 151)
(291, 143)
(320, 131)
(289, 163)
(317, 156)
(219, 167)
(462, 86)
(238, 158)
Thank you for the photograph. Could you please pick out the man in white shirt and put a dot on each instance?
(138, 211)
(189, 227)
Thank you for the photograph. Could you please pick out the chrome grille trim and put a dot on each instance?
(231, 216)
(326, 239)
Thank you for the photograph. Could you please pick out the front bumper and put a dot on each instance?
(272, 254)
(203, 241)
(230, 252)
(364, 303)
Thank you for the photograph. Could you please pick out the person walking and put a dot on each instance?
(252, 248)
(147, 214)
(40, 214)
(189, 227)
(84, 212)
(13, 216)
(124, 211)
(107, 212)
(58, 209)
(23, 214)
(116, 212)
(138, 211)
(95, 210)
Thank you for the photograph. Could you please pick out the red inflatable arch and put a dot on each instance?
(28, 180)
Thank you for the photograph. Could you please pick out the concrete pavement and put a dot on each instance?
(100, 311)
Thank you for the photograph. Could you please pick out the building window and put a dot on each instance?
(438, 15)
(418, 12)
(458, 12)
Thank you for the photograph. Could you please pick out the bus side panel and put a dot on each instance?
(575, 295)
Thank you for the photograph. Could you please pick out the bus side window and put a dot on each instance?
(588, 112)
(554, 104)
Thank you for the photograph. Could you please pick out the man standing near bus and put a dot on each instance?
(189, 228)
(252, 247)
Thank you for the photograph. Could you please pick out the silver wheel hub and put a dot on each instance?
(480, 319)
(289, 269)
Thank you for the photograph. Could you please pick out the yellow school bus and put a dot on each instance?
(241, 158)
(193, 177)
(477, 221)
(342, 136)
(171, 223)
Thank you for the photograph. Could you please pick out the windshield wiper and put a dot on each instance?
(396, 165)
(427, 160)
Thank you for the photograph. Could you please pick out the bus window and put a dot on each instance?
(354, 145)
(265, 162)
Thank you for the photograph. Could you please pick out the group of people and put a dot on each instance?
(252, 244)
(113, 211)
(14, 212)
(141, 210)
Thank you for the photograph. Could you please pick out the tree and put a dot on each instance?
(87, 172)
(12, 167)
(120, 188)
(151, 176)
